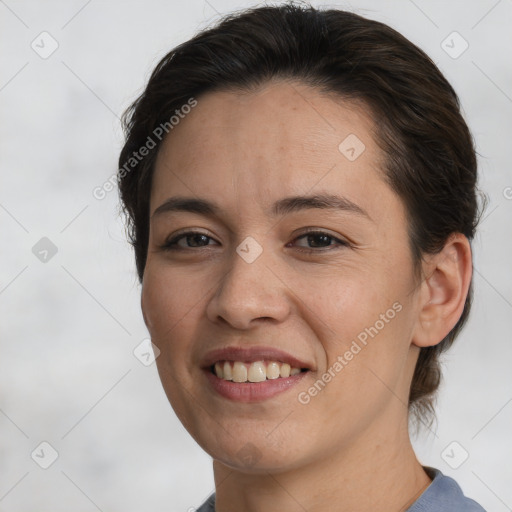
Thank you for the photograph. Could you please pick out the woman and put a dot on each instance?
(300, 189)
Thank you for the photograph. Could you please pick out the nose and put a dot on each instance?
(248, 294)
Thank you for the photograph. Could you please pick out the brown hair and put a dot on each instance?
(430, 157)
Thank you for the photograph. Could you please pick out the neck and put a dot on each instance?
(378, 471)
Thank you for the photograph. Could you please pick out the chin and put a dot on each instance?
(249, 458)
(248, 452)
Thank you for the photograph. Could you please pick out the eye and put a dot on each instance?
(313, 241)
(317, 240)
(192, 239)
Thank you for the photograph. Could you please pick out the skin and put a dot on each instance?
(349, 447)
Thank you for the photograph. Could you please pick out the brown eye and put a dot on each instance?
(192, 239)
(320, 240)
(197, 240)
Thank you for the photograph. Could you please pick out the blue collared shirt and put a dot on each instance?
(442, 495)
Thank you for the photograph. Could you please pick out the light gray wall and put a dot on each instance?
(68, 375)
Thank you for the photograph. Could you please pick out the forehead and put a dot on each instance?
(281, 139)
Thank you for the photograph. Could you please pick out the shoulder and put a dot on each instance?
(208, 505)
(443, 494)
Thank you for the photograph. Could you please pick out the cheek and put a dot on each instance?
(172, 304)
(168, 299)
(364, 324)
(345, 303)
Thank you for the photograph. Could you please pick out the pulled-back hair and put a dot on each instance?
(430, 159)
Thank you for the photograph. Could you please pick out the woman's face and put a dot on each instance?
(252, 291)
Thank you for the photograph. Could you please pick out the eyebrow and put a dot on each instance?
(281, 207)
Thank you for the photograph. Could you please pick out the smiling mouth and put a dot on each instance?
(257, 371)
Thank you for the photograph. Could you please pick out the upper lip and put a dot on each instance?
(251, 354)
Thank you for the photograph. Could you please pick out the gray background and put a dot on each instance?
(69, 326)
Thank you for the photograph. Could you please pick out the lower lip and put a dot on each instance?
(252, 391)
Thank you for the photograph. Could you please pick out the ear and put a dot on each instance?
(443, 291)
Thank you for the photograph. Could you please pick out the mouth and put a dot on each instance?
(257, 371)
(252, 374)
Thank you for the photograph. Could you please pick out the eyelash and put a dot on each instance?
(170, 245)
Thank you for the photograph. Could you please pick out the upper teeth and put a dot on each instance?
(258, 371)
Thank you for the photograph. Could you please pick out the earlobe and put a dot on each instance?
(443, 291)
